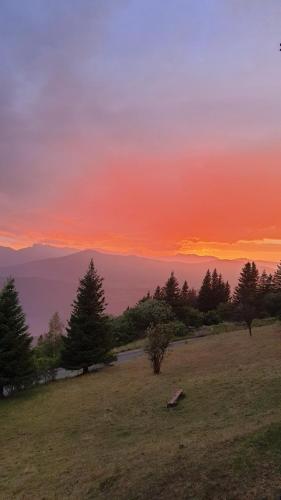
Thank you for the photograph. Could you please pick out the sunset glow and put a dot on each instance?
(140, 128)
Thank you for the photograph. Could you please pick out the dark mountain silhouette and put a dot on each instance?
(50, 284)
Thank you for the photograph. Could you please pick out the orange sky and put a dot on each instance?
(133, 128)
(227, 205)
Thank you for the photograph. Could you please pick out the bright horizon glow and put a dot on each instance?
(142, 129)
(267, 250)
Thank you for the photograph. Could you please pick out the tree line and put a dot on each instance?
(90, 335)
(255, 296)
(87, 339)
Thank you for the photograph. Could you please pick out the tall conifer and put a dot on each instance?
(158, 295)
(16, 365)
(277, 279)
(205, 299)
(184, 294)
(246, 294)
(171, 293)
(88, 339)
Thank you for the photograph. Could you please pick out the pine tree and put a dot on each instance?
(277, 279)
(88, 339)
(265, 284)
(171, 293)
(246, 294)
(192, 298)
(220, 290)
(184, 294)
(158, 295)
(145, 298)
(16, 364)
(205, 298)
(226, 293)
(223, 291)
(216, 286)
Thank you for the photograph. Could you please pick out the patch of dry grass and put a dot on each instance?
(109, 435)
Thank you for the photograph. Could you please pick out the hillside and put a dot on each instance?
(121, 442)
(49, 284)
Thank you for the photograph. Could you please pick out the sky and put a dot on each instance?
(142, 126)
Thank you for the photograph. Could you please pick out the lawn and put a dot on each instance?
(109, 435)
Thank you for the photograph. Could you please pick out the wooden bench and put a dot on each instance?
(179, 394)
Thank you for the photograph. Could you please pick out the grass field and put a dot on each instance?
(109, 435)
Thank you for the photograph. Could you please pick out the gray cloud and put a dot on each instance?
(49, 92)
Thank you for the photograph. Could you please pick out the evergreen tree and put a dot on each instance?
(246, 294)
(205, 296)
(277, 279)
(88, 339)
(158, 295)
(265, 285)
(192, 298)
(216, 285)
(16, 364)
(145, 298)
(265, 294)
(223, 291)
(226, 293)
(171, 293)
(220, 290)
(184, 294)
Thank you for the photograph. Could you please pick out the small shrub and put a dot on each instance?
(158, 339)
(177, 329)
(212, 318)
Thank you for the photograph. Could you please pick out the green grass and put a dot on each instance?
(109, 435)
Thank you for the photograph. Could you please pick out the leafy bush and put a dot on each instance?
(192, 317)
(133, 323)
(212, 318)
(177, 328)
(226, 311)
(158, 339)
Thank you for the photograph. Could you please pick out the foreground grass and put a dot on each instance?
(109, 435)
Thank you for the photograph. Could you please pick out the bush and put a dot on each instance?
(212, 318)
(158, 339)
(177, 328)
(192, 317)
(123, 329)
(272, 304)
(45, 367)
(226, 311)
(133, 323)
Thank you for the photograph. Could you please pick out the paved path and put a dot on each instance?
(122, 357)
(125, 356)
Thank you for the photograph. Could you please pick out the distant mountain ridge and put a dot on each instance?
(49, 284)
(10, 256)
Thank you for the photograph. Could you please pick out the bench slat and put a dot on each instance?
(174, 400)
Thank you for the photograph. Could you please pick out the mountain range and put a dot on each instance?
(47, 277)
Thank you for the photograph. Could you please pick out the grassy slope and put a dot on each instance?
(109, 435)
(206, 330)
